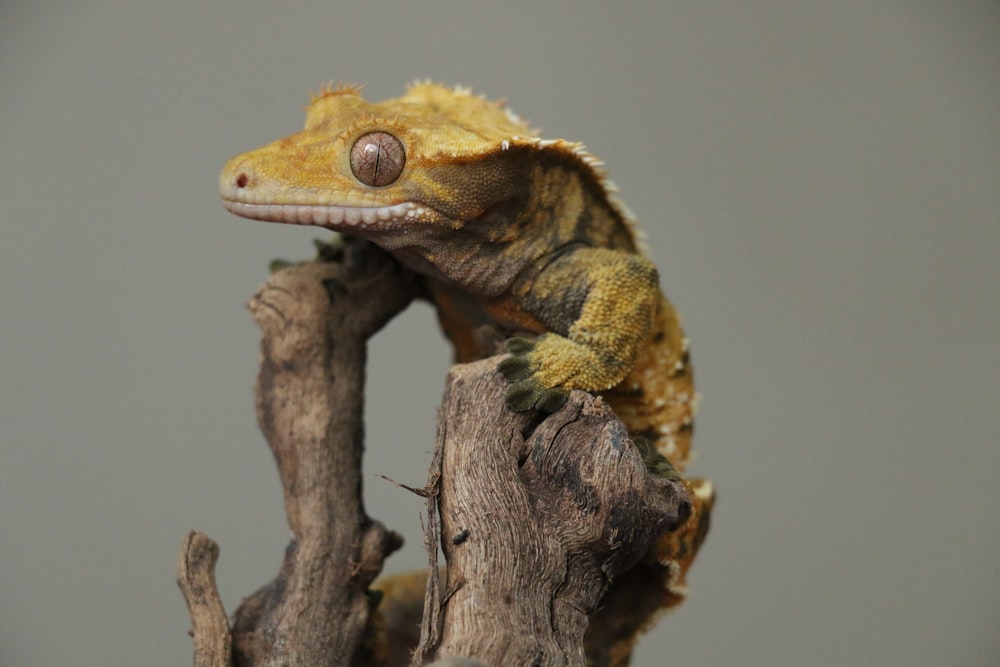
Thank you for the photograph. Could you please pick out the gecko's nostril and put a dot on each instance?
(242, 180)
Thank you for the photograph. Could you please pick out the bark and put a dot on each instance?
(536, 520)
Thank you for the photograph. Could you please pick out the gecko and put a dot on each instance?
(508, 231)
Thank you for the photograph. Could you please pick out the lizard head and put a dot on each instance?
(429, 158)
(436, 168)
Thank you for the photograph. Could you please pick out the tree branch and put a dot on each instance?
(536, 519)
(535, 515)
(196, 577)
(316, 318)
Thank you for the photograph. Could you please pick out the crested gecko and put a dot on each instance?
(511, 231)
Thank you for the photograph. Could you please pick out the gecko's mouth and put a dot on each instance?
(337, 218)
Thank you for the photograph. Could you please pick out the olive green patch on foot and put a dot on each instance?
(525, 392)
(329, 251)
(326, 251)
(279, 264)
(519, 346)
(527, 395)
(551, 400)
(655, 462)
(521, 396)
(515, 369)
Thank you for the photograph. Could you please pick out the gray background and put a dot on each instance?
(819, 183)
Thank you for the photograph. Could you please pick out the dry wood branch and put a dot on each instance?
(316, 318)
(535, 521)
(196, 577)
(535, 516)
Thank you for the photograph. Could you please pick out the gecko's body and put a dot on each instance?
(510, 231)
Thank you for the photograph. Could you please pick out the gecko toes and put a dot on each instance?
(551, 400)
(519, 346)
(276, 265)
(521, 369)
(329, 251)
(527, 395)
(515, 369)
(655, 462)
(521, 396)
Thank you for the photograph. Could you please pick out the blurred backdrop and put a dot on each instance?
(820, 185)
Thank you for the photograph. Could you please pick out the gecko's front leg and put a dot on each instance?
(599, 305)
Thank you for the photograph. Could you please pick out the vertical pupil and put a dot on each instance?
(377, 159)
(370, 149)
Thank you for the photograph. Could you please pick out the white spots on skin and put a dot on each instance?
(669, 448)
(703, 489)
(513, 117)
(674, 577)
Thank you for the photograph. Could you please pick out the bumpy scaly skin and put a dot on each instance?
(512, 232)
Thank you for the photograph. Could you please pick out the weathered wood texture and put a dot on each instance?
(536, 519)
(536, 516)
(196, 577)
(316, 318)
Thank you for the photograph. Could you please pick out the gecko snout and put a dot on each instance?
(236, 178)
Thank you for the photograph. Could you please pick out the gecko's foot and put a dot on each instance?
(276, 265)
(331, 250)
(526, 392)
(656, 463)
(326, 251)
(543, 371)
(524, 395)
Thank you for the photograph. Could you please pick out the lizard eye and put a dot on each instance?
(377, 158)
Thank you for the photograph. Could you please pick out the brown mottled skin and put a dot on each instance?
(512, 232)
